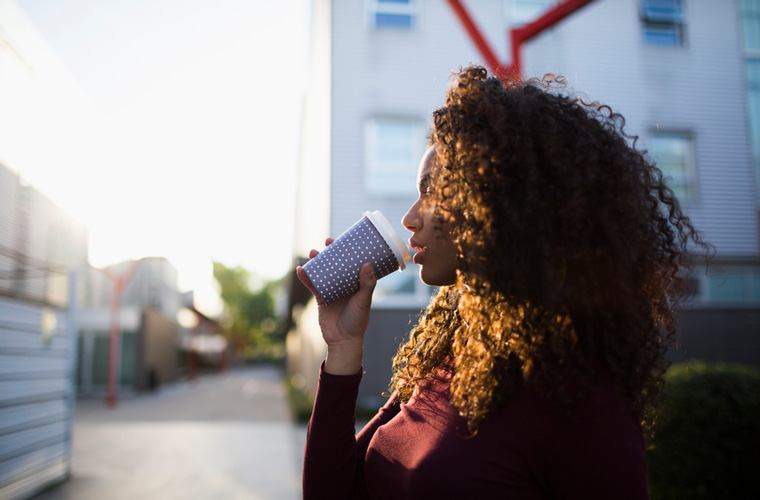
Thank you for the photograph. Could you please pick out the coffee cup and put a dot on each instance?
(334, 271)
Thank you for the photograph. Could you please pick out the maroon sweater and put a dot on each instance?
(418, 450)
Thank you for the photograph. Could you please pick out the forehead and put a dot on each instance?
(427, 163)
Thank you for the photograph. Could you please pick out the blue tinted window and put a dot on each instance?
(726, 288)
(734, 285)
(749, 11)
(383, 20)
(394, 14)
(662, 22)
(755, 287)
(662, 10)
(667, 35)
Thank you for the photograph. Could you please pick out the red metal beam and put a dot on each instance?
(517, 36)
(114, 355)
(551, 17)
(477, 38)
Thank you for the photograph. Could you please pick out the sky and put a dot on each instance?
(198, 109)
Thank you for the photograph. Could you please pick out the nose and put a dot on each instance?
(412, 220)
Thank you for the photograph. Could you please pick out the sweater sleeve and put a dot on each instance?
(333, 464)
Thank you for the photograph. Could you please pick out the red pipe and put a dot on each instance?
(475, 35)
(114, 333)
(553, 16)
(517, 36)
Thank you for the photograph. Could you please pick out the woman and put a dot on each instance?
(535, 370)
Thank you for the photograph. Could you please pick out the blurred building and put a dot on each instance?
(677, 71)
(150, 341)
(42, 248)
(203, 344)
(154, 283)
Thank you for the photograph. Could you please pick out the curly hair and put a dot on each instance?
(570, 250)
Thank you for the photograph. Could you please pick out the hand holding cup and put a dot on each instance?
(342, 278)
(344, 321)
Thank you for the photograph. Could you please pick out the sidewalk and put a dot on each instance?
(220, 436)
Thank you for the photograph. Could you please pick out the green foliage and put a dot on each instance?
(301, 405)
(707, 442)
(274, 353)
(249, 316)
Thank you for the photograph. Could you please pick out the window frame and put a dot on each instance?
(371, 146)
(373, 7)
(678, 24)
(692, 184)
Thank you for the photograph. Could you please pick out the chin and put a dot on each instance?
(428, 276)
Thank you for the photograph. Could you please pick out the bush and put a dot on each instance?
(707, 441)
(300, 403)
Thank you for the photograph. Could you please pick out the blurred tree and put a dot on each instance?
(249, 316)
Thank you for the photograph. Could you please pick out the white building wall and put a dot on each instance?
(41, 111)
(313, 173)
(699, 87)
(392, 72)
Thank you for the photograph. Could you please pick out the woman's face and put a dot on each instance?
(438, 260)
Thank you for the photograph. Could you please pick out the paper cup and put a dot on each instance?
(334, 271)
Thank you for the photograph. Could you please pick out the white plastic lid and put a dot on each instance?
(400, 249)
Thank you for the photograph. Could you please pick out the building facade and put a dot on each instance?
(150, 344)
(677, 71)
(42, 250)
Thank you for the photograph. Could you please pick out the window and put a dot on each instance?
(662, 22)
(393, 14)
(749, 12)
(737, 285)
(673, 152)
(519, 12)
(402, 289)
(727, 284)
(394, 147)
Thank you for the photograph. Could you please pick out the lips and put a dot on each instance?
(416, 246)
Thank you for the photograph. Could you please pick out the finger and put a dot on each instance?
(303, 278)
(329, 240)
(367, 282)
(313, 253)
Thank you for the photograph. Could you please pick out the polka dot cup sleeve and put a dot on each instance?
(334, 272)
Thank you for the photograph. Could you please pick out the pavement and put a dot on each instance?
(225, 436)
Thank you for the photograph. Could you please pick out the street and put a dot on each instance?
(226, 435)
